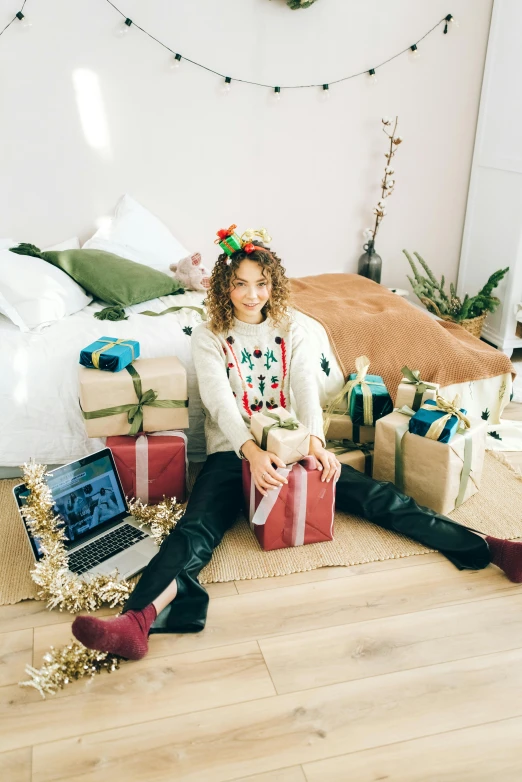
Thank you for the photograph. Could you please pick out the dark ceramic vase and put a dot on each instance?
(370, 263)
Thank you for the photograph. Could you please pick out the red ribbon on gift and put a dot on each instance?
(223, 233)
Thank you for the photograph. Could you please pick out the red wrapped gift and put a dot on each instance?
(301, 512)
(151, 465)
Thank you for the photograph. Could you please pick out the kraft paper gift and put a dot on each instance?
(281, 433)
(151, 466)
(147, 396)
(355, 455)
(110, 353)
(413, 391)
(296, 514)
(433, 473)
(341, 427)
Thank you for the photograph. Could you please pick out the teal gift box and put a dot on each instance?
(423, 419)
(110, 354)
(381, 400)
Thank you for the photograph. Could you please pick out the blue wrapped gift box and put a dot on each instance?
(423, 419)
(110, 354)
(382, 403)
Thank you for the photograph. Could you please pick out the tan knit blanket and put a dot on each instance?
(364, 318)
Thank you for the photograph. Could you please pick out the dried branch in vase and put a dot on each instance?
(387, 182)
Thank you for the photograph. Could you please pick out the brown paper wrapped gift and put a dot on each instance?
(431, 470)
(281, 433)
(341, 427)
(151, 392)
(360, 459)
(413, 391)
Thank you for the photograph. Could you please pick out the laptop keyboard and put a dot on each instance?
(103, 548)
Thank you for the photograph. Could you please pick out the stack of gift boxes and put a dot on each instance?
(141, 406)
(425, 445)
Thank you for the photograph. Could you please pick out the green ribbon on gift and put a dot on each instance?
(400, 431)
(95, 355)
(347, 446)
(135, 410)
(413, 376)
(286, 423)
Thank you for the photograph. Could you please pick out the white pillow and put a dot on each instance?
(34, 293)
(138, 235)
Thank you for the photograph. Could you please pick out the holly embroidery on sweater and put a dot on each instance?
(271, 404)
(246, 358)
(257, 405)
(269, 358)
(274, 381)
(257, 353)
(249, 380)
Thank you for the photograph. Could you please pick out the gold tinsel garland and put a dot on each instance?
(67, 591)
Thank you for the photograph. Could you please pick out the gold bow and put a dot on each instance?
(252, 233)
(362, 365)
(449, 408)
(95, 356)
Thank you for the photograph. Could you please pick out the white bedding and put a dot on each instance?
(40, 417)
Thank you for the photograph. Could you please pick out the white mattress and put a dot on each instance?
(40, 417)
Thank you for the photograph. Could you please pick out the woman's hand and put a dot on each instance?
(326, 461)
(264, 474)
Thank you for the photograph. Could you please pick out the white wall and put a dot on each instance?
(309, 171)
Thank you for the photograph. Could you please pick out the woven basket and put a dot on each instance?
(473, 325)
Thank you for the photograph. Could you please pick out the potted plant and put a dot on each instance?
(469, 312)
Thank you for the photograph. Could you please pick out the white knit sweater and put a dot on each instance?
(254, 367)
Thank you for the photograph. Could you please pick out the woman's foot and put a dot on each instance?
(507, 555)
(125, 635)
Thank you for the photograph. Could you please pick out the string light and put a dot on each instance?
(227, 85)
(124, 28)
(450, 18)
(174, 66)
(325, 93)
(127, 23)
(415, 54)
(25, 23)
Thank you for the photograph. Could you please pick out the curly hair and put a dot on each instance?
(219, 305)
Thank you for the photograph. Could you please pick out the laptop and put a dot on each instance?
(101, 535)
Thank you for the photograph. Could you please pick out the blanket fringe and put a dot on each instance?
(499, 456)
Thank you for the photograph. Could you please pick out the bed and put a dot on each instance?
(40, 416)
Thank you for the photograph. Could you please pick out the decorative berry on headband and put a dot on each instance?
(231, 243)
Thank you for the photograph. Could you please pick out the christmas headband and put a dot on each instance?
(230, 242)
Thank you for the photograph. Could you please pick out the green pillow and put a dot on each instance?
(106, 276)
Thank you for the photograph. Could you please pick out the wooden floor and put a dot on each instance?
(404, 671)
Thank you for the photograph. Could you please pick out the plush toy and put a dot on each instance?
(191, 273)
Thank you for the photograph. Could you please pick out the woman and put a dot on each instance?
(248, 356)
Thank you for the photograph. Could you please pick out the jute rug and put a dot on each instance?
(496, 510)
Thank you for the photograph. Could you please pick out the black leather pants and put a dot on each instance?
(215, 503)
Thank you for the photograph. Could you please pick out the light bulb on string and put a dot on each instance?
(277, 93)
(174, 65)
(227, 85)
(325, 92)
(123, 28)
(373, 76)
(25, 24)
(450, 19)
(415, 54)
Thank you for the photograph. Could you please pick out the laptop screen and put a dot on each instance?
(86, 494)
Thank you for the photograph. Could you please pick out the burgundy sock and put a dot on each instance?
(125, 635)
(507, 555)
